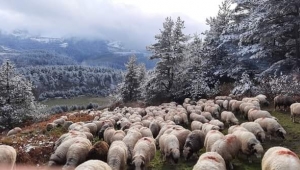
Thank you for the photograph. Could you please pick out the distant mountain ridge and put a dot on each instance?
(20, 44)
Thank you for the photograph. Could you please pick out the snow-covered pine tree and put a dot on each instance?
(130, 90)
(16, 101)
(169, 50)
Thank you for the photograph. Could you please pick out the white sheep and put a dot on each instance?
(217, 123)
(117, 155)
(118, 135)
(295, 111)
(92, 127)
(130, 140)
(8, 156)
(229, 118)
(280, 158)
(93, 165)
(60, 154)
(146, 132)
(228, 147)
(254, 114)
(271, 127)
(196, 125)
(207, 127)
(234, 128)
(207, 115)
(77, 153)
(143, 152)
(66, 136)
(211, 137)
(210, 161)
(250, 145)
(169, 147)
(256, 129)
(197, 117)
(14, 131)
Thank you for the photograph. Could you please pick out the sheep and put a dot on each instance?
(217, 123)
(194, 142)
(271, 127)
(256, 129)
(234, 128)
(77, 153)
(98, 151)
(163, 129)
(254, 114)
(197, 117)
(105, 125)
(213, 109)
(154, 127)
(235, 107)
(117, 135)
(143, 152)
(93, 165)
(180, 133)
(229, 118)
(211, 137)
(196, 125)
(108, 134)
(50, 126)
(92, 127)
(207, 115)
(249, 144)
(60, 154)
(230, 103)
(295, 111)
(67, 124)
(225, 104)
(59, 121)
(14, 131)
(280, 158)
(283, 100)
(8, 156)
(210, 161)
(228, 147)
(169, 147)
(117, 155)
(123, 122)
(262, 99)
(207, 127)
(66, 136)
(146, 132)
(130, 140)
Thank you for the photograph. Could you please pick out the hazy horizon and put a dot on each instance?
(133, 22)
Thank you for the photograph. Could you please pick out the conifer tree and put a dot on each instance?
(130, 88)
(16, 101)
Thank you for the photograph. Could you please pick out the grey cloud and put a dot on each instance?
(87, 19)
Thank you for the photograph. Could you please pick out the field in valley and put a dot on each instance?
(80, 101)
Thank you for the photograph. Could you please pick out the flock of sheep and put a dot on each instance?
(132, 136)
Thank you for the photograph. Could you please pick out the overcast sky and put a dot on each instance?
(134, 22)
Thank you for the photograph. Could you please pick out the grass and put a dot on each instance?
(81, 101)
(241, 163)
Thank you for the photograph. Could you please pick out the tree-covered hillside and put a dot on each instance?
(71, 81)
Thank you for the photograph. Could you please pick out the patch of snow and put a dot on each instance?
(116, 44)
(63, 45)
(45, 39)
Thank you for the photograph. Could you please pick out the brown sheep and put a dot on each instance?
(99, 151)
(282, 100)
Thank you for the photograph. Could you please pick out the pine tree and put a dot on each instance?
(130, 89)
(17, 101)
(169, 50)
